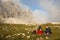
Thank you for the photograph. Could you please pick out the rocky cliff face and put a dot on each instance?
(11, 12)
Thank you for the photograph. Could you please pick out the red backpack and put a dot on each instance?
(40, 32)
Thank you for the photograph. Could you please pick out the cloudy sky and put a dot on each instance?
(43, 10)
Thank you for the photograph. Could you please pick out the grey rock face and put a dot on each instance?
(10, 10)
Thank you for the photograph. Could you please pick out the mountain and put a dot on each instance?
(11, 12)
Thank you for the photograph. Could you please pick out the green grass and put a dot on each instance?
(12, 29)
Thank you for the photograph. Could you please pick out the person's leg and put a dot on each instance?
(47, 36)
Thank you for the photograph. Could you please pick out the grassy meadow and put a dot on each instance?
(24, 32)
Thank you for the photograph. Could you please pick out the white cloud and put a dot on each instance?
(53, 9)
(39, 17)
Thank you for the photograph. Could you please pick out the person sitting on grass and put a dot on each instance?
(48, 32)
(40, 32)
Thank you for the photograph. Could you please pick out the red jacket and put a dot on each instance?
(40, 32)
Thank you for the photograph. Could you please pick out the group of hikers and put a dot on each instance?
(47, 33)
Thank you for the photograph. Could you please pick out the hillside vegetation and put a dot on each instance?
(24, 32)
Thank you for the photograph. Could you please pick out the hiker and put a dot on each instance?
(40, 33)
(48, 32)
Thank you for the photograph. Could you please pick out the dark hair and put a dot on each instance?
(39, 27)
(46, 25)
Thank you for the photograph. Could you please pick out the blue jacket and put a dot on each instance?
(48, 30)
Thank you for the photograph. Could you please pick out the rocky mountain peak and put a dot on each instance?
(10, 10)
